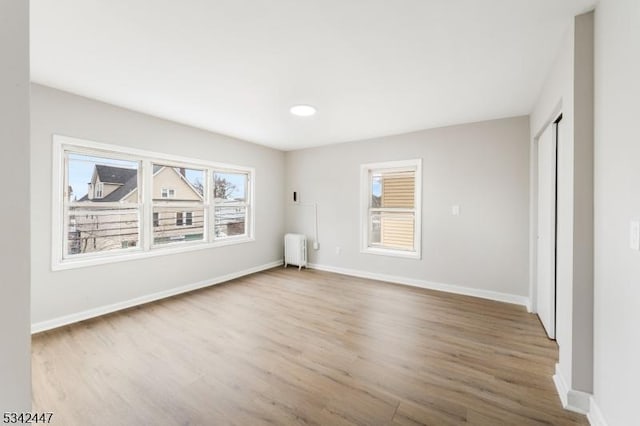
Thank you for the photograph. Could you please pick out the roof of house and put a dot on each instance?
(127, 178)
(117, 175)
(122, 191)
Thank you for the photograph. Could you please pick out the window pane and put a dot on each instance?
(393, 189)
(392, 230)
(374, 229)
(177, 184)
(230, 221)
(95, 229)
(176, 224)
(376, 190)
(94, 179)
(230, 187)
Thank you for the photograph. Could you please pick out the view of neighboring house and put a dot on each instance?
(393, 218)
(97, 224)
(93, 228)
(173, 224)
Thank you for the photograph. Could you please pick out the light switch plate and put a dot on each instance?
(455, 210)
(634, 235)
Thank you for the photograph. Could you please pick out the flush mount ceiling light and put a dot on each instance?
(302, 110)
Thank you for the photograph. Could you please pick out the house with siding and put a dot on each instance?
(110, 228)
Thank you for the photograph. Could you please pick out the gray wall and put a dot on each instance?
(617, 201)
(61, 293)
(583, 244)
(15, 337)
(483, 167)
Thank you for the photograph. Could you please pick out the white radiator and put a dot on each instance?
(295, 250)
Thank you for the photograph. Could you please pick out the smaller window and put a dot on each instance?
(156, 219)
(391, 208)
(168, 193)
(99, 190)
(182, 218)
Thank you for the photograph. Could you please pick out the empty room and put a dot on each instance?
(356, 212)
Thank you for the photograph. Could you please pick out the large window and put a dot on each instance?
(391, 208)
(113, 203)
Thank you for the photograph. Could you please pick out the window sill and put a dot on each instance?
(392, 253)
(134, 254)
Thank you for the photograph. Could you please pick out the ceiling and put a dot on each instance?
(370, 67)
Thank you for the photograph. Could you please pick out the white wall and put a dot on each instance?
(15, 338)
(556, 97)
(569, 89)
(617, 200)
(63, 293)
(483, 167)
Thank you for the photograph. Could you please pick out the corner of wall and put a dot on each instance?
(568, 89)
(572, 400)
(15, 362)
(595, 416)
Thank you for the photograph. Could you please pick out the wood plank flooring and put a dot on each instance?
(302, 347)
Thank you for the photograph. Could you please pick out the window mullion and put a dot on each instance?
(65, 205)
(65, 228)
(392, 209)
(146, 222)
(210, 188)
(249, 220)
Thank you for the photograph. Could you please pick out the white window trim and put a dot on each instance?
(145, 248)
(365, 197)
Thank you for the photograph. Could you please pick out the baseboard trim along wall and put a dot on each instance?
(448, 288)
(572, 400)
(103, 310)
(595, 416)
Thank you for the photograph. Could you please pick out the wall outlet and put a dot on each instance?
(316, 245)
(338, 250)
(455, 210)
(634, 235)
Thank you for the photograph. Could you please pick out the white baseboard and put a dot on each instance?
(572, 400)
(595, 415)
(102, 310)
(449, 288)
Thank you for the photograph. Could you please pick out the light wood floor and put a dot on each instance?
(302, 347)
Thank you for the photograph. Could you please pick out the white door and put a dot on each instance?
(546, 297)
